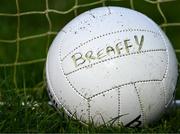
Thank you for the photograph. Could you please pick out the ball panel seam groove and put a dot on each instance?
(140, 103)
(119, 105)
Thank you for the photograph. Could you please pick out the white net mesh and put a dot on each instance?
(28, 27)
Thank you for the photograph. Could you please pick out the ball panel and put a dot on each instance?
(152, 98)
(104, 108)
(130, 107)
(61, 90)
(130, 18)
(170, 79)
(85, 27)
(109, 46)
(119, 71)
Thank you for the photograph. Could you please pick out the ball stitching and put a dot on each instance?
(140, 103)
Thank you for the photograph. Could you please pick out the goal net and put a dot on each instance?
(27, 29)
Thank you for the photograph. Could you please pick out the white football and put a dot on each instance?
(112, 65)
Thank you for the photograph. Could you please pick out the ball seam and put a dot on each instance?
(140, 103)
(167, 68)
(119, 106)
(54, 97)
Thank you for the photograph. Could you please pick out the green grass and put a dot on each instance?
(25, 108)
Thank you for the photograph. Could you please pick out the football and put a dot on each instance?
(112, 65)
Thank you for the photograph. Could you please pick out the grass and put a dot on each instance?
(25, 108)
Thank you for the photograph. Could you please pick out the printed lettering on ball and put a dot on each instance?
(113, 66)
